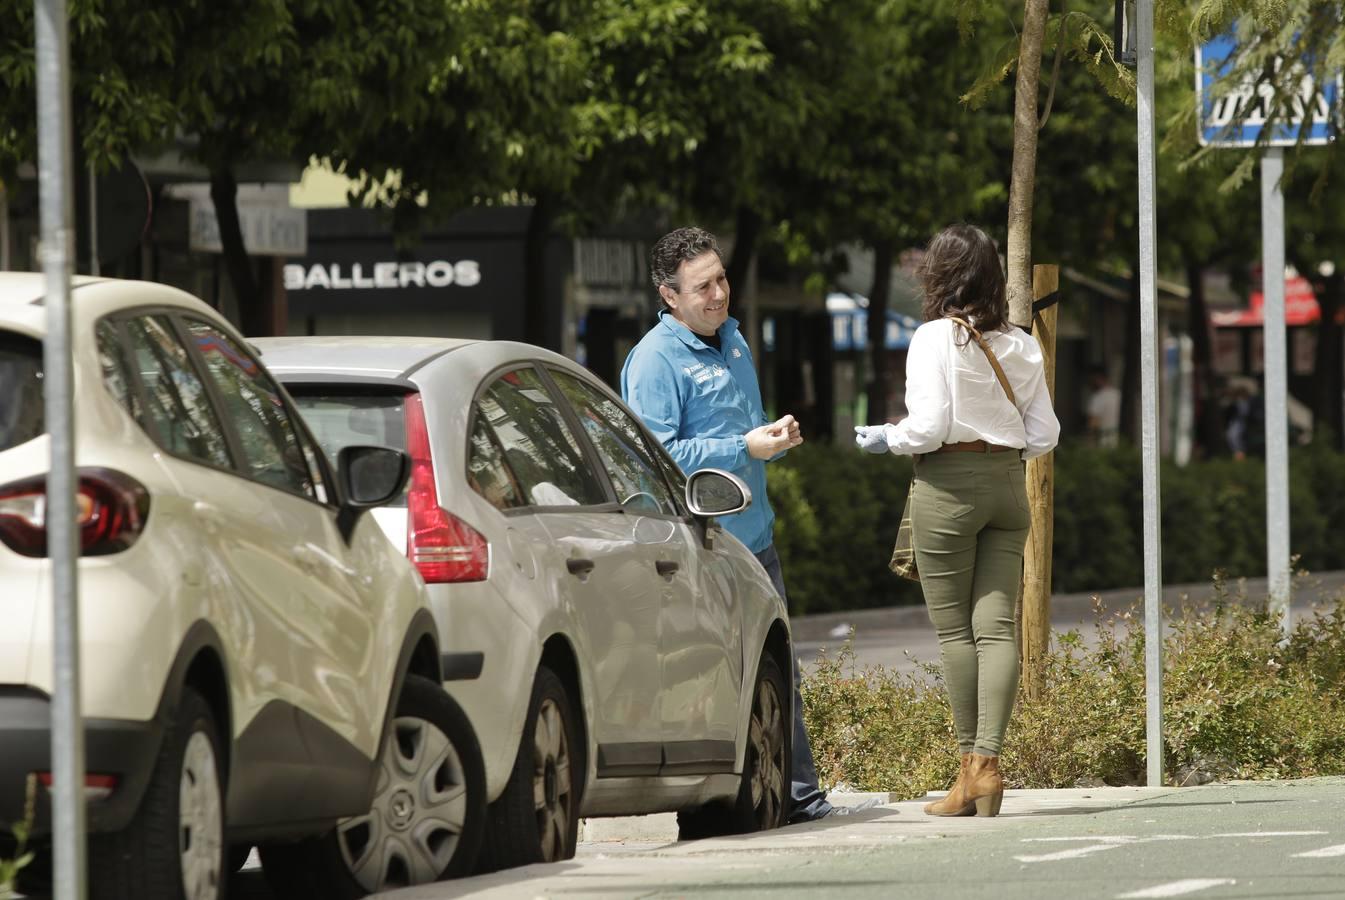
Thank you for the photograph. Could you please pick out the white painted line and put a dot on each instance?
(1269, 834)
(1178, 888)
(1336, 850)
(1067, 854)
(1092, 838)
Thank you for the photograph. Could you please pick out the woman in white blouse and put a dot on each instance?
(969, 432)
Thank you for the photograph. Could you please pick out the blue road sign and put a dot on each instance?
(1235, 117)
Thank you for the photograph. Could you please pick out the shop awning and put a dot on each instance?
(1300, 307)
(850, 324)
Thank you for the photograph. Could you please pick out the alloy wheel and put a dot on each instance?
(551, 780)
(200, 820)
(410, 833)
(767, 745)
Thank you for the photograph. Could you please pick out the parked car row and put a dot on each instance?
(390, 610)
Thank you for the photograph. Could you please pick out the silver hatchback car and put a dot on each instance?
(615, 650)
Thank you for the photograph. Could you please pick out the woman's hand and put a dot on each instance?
(871, 438)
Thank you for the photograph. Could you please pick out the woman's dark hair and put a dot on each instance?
(962, 277)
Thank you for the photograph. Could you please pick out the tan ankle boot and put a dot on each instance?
(957, 803)
(984, 785)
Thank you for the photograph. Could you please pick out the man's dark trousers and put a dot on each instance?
(809, 801)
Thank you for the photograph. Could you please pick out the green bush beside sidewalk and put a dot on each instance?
(1237, 704)
(837, 511)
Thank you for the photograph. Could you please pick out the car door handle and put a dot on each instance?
(579, 566)
(666, 567)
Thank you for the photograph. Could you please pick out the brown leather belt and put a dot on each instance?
(977, 446)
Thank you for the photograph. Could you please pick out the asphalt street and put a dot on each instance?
(1217, 842)
(899, 638)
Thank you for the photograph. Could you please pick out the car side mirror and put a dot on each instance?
(372, 476)
(714, 492)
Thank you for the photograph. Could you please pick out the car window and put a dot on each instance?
(621, 446)
(273, 452)
(116, 370)
(340, 420)
(539, 448)
(21, 411)
(184, 422)
(486, 470)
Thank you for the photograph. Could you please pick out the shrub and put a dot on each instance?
(1238, 703)
(837, 511)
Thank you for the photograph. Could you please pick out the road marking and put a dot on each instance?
(1269, 834)
(1108, 839)
(1177, 888)
(1068, 854)
(1336, 850)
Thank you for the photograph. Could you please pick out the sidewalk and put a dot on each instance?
(1236, 840)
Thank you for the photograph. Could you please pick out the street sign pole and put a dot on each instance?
(1277, 386)
(54, 189)
(1153, 548)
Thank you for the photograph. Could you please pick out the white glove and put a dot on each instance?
(871, 438)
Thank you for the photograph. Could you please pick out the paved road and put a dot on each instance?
(1217, 842)
(900, 637)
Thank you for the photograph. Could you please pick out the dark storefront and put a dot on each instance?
(464, 278)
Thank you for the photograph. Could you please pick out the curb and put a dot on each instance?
(661, 828)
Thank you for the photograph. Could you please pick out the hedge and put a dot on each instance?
(1239, 701)
(837, 511)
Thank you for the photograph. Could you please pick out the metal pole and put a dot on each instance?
(1153, 548)
(4, 229)
(54, 183)
(93, 223)
(1276, 391)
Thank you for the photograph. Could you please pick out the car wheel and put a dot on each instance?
(763, 793)
(427, 818)
(173, 848)
(536, 818)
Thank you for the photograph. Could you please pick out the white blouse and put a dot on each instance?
(953, 395)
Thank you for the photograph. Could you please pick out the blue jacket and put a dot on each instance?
(700, 402)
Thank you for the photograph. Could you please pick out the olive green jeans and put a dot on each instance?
(969, 523)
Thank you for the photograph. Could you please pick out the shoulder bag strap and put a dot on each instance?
(990, 355)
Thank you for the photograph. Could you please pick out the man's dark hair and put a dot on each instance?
(673, 249)
(962, 277)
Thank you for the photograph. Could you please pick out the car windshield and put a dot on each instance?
(352, 419)
(21, 413)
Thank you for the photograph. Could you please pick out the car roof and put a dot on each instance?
(23, 296)
(382, 359)
(373, 356)
(30, 288)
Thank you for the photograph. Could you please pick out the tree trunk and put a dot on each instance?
(1209, 417)
(1326, 406)
(1130, 382)
(883, 253)
(254, 316)
(536, 309)
(1022, 185)
(745, 233)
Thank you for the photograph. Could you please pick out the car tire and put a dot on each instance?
(548, 764)
(171, 850)
(763, 793)
(427, 818)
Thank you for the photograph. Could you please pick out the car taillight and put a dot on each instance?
(111, 509)
(443, 547)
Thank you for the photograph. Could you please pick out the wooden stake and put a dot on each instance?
(1036, 624)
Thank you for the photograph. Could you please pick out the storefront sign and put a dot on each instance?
(270, 226)
(439, 273)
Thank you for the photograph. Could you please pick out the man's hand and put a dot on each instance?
(871, 438)
(769, 441)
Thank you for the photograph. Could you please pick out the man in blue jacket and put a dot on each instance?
(692, 380)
